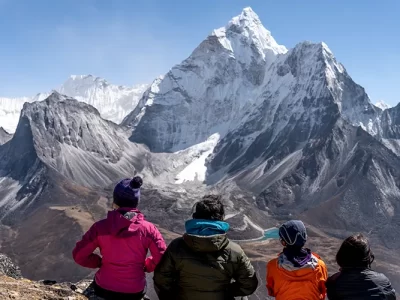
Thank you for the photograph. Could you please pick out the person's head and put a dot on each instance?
(293, 234)
(355, 252)
(209, 208)
(127, 192)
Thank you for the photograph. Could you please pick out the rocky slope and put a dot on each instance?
(25, 289)
(4, 136)
(69, 140)
(8, 268)
(13, 286)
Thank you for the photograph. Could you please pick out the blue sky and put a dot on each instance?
(133, 41)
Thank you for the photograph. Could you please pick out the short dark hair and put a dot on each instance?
(209, 208)
(355, 252)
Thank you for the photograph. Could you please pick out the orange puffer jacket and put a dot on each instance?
(285, 282)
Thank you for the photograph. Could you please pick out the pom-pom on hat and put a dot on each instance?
(127, 192)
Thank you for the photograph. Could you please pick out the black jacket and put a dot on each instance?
(359, 284)
(204, 268)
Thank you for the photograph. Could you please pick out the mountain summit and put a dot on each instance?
(217, 85)
(382, 105)
(248, 25)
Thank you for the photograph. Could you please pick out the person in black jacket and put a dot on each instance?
(356, 280)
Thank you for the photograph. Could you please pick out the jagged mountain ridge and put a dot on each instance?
(114, 102)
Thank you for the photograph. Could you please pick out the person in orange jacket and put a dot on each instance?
(297, 273)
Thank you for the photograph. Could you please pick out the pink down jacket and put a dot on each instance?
(124, 239)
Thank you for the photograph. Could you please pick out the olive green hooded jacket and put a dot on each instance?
(204, 268)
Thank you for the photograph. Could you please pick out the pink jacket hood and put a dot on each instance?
(125, 222)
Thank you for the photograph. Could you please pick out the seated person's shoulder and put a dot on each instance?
(319, 259)
(234, 248)
(317, 256)
(234, 251)
(101, 226)
(379, 278)
(176, 243)
(333, 278)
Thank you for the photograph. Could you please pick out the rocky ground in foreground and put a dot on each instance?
(11, 288)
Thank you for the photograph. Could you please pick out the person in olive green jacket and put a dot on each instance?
(204, 263)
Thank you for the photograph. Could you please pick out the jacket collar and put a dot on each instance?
(202, 227)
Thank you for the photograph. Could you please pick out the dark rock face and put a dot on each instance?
(391, 123)
(19, 154)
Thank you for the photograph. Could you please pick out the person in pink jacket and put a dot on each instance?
(124, 239)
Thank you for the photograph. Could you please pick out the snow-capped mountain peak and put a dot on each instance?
(237, 73)
(248, 29)
(223, 78)
(382, 105)
(248, 19)
(315, 66)
(114, 102)
(80, 77)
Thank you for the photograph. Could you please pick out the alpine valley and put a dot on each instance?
(280, 133)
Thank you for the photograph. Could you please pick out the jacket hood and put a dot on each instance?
(202, 227)
(123, 222)
(292, 273)
(210, 243)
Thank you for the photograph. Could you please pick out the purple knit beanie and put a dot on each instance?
(127, 192)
